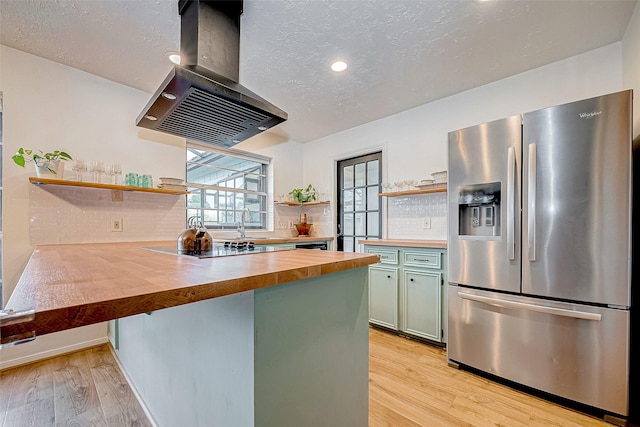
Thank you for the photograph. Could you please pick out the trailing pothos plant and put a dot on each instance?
(303, 195)
(41, 159)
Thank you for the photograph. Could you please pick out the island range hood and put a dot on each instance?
(201, 99)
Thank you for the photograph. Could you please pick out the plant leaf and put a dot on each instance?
(18, 159)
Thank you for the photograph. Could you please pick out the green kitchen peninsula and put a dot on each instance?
(267, 339)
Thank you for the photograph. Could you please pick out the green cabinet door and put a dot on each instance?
(421, 305)
(383, 296)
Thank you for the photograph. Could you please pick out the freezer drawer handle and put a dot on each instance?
(531, 307)
(511, 214)
(531, 194)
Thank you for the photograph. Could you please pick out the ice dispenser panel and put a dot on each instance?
(479, 210)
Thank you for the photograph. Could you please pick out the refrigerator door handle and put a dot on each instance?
(531, 198)
(531, 307)
(511, 214)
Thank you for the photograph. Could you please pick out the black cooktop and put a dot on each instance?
(226, 249)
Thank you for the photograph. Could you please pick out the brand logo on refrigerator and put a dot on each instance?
(589, 115)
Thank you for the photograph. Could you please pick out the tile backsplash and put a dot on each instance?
(84, 215)
(406, 217)
(321, 216)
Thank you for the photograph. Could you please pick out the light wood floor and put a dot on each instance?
(410, 385)
(79, 389)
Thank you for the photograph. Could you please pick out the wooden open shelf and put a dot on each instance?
(414, 192)
(47, 181)
(301, 204)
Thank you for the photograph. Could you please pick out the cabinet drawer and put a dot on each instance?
(387, 256)
(423, 259)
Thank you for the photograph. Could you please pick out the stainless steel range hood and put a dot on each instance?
(201, 98)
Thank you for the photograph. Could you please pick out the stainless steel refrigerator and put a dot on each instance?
(540, 250)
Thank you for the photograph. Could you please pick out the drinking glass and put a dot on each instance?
(410, 183)
(79, 167)
(115, 170)
(98, 169)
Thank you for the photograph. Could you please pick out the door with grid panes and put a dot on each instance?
(359, 206)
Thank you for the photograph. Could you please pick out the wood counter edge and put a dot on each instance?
(69, 317)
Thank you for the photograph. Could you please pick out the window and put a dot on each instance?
(223, 183)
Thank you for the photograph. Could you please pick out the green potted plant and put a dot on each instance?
(303, 195)
(45, 163)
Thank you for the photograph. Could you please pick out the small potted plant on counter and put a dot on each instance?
(45, 163)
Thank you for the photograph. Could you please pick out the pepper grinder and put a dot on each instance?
(303, 218)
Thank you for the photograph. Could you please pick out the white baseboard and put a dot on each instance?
(11, 363)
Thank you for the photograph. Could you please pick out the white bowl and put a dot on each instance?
(440, 176)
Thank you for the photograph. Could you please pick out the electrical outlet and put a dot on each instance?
(427, 223)
(116, 225)
(117, 196)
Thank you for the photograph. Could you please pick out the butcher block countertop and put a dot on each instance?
(75, 285)
(441, 244)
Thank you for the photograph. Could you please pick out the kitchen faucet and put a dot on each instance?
(241, 230)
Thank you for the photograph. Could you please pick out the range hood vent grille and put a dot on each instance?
(204, 117)
(205, 104)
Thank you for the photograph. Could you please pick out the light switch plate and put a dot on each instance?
(427, 223)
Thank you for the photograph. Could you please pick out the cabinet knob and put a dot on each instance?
(388, 277)
(411, 279)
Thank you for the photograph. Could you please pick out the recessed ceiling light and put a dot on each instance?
(339, 66)
(482, 1)
(175, 58)
(150, 117)
(262, 127)
(169, 95)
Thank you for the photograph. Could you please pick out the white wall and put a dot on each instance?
(414, 142)
(51, 106)
(631, 65)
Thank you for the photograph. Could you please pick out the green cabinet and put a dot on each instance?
(383, 296)
(406, 291)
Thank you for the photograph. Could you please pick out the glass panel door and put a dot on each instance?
(359, 207)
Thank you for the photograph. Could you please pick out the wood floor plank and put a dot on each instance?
(90, 418)
(117, 400)
(75, 394)
(38, 413)
(31, 384)
(6, 385)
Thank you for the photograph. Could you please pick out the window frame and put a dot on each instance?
(229, 202)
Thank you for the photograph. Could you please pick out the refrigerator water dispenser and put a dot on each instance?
(479, 210)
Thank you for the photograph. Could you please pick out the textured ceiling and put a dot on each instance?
(401, 53)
